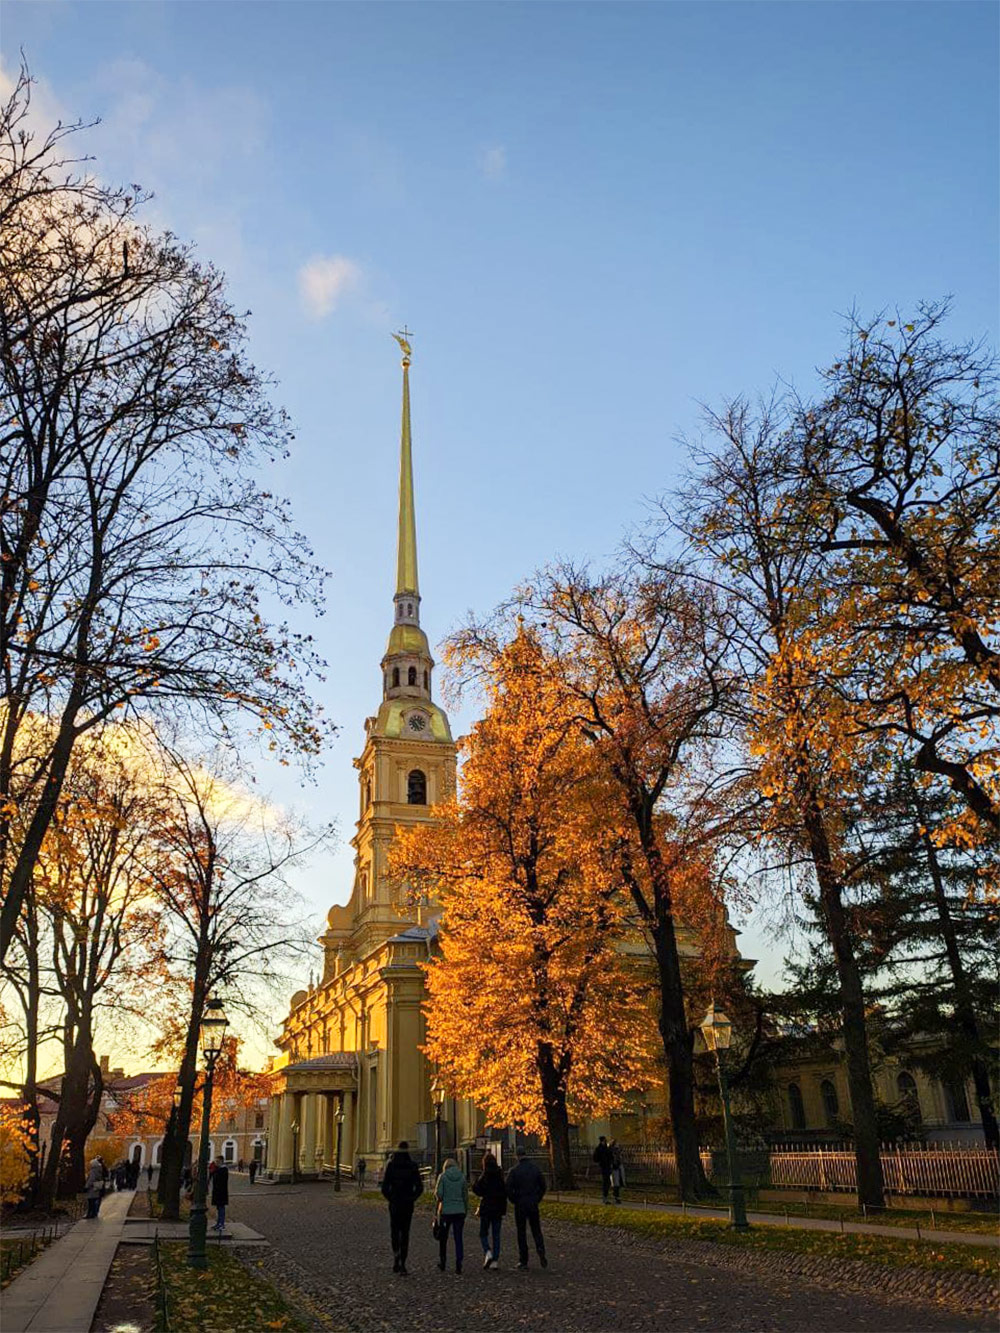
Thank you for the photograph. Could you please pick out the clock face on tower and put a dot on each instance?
(416, 721)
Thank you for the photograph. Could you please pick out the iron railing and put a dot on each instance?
(915, 1169)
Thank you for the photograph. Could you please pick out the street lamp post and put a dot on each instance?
(339, 1117)
(211, 1035)
(294, 1127)
(437, 1092)
(718, 1033)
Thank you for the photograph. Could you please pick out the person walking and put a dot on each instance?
(220, 1192)
(452, 1192)
(252, 1170)
(401, 1188)
(362, 1168)
(239, 1166)
(94, 1188)
(492, 1191)
(526, 1189)
(617, 1170)
(602, 1156)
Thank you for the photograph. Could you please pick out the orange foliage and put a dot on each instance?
(533, 999)
(16, 1148)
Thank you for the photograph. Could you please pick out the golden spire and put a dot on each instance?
(406, 540)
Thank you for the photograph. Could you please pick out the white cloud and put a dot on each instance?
(324, 280)
(493, 162)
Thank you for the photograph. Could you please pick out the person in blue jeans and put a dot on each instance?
(492, 1191)
(452, 1192)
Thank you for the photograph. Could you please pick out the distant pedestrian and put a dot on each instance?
(149, 1175)
(362, 1168)
(602, 1156)
(452, 1192)
(492, 1191)
(253, 1170)
(401, 1187)
(94, 1188)
(220, 1192)
(239, 1166)
(617, 1170)
(526, 1189)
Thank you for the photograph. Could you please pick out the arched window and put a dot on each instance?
(796, 1107)
(409, 608)
(427, 680)
(416, 788)
(831, 1102)
(229, 1151)
(907, 1088)
(395, 676)
(411, 676)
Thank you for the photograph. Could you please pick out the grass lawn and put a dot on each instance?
(887, 1250)
(223, 1298)
(17, 1252)
(987, 1224)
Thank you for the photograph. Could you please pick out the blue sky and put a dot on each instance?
(593, 216)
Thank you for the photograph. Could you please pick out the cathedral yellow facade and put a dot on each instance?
(351, 1061)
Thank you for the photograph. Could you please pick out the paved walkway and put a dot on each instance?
(60, 1290)
(700, 1213)
(58, 1293)
(334, 1250)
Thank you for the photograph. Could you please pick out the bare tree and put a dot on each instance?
(220, 873)
(137, 550)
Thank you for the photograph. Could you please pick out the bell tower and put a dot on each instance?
(408, 761)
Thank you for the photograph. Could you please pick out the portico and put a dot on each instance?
(304, 1106)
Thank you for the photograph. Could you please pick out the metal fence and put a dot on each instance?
(967, 1172)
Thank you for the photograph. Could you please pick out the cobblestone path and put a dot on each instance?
(336, 1249)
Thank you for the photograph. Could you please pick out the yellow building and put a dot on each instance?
(350, 1044)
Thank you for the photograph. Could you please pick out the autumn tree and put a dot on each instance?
(895, 468)
(534, 970)
(103, 927)
(17, 1151)
(137, 548)
(635, 657)
(219, 861)
(734, 513)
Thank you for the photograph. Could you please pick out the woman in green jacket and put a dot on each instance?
(453, 1203)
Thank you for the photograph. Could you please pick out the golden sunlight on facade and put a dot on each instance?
(352, 1042)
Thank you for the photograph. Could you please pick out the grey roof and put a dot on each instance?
(333, 1060)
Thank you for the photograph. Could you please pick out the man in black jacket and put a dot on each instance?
(602, 1156)
(402, 1187)
(526, 1189)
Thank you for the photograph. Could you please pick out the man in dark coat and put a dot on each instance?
(220, 1191)
(526, 1189)
(402, 1187)
(602, 1156)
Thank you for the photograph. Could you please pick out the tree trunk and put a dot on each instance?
(965, 1013)
(674, 1031)
(556, 1118)
(32, 999)
(19, 884)
(179, 1125)
(677, 1047)
(867, 1149)
(64, 1174)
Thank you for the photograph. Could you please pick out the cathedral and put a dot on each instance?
(351, 1059)
(351, 1065)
